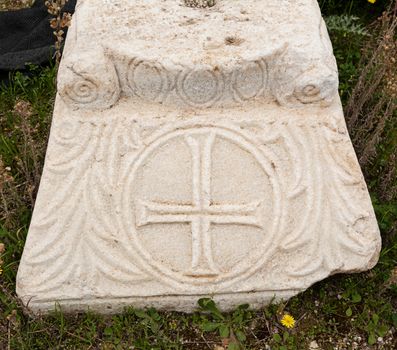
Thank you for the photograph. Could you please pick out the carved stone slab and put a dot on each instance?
(195, 152)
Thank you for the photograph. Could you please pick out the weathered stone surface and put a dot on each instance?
(195, 152)
(223, 56)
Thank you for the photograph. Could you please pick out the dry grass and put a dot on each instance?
(371, 110)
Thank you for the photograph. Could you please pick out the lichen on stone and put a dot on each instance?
(200, 3)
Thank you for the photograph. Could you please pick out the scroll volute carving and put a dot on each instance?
(85, 85)
(298, 80)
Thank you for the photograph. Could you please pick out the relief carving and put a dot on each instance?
(202, 211)
(304, 80)
(114, 211)
(292, 82)
(85, 85)
(207, 178)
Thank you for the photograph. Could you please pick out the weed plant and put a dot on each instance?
(365, 9)
(342, 312)
(371, 109)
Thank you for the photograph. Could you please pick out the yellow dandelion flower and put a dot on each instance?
(372, 1)
(288, 321)
(1, 270)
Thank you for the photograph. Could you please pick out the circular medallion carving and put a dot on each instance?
(250, 80)
(200, 88)
(201, 205)
(148, 80)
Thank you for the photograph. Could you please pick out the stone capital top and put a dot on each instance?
(165, 52)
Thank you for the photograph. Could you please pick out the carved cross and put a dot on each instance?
(201, 213)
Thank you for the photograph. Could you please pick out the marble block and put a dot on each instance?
(195, 152)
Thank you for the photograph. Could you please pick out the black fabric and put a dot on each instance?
(26, 36)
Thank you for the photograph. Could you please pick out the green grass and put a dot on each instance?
(345, 311)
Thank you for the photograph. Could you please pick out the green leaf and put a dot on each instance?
(394, 318)
(154, 326)
(203, 302)
(208, 326)
(108, 331)
(382, 330)
(207, 304)
(243, 307)
(349, 312)
(233, 346)
(285, 336)
(345, 295)
(277, 337)
(282, 347)
(375, 319)
(371, 339)
(237, 317)
(141, 314)
(241, 336)
(356, 298)
(154, 314)
(223, 331)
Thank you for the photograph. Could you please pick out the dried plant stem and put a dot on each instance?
(59, 22)
(372, 106)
